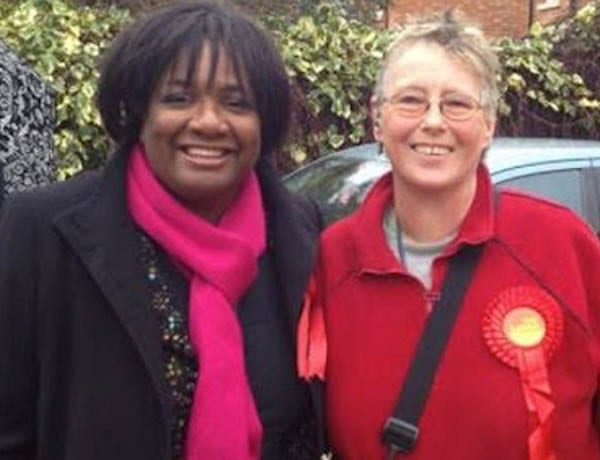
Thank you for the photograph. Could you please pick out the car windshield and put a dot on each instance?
(340, 184)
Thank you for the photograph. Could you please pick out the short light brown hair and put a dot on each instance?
(461, 39)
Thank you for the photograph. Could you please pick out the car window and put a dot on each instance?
(339, 184)
(591, 197)
(564, 186)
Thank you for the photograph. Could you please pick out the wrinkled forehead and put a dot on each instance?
(394, 65)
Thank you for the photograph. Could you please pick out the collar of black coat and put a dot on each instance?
(100, 230)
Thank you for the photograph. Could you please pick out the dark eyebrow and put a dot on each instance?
(171, 84)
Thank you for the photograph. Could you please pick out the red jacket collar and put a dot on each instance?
(372, 251)
(478, 225)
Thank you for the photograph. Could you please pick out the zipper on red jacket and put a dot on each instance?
(431, 297)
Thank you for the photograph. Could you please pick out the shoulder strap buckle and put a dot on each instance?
(399, 434)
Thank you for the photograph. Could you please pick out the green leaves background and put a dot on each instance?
(550, 83)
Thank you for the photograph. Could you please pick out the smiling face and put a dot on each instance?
(202, 138)
(430, 152)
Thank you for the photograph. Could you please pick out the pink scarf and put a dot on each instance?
(221, 261)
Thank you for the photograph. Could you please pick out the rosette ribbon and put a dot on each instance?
(312, 340)
(523, 327)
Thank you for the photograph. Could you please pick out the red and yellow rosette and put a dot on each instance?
(523, 327)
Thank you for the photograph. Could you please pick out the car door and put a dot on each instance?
(575, 187)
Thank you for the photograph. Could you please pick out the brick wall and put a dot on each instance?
(548, 11)
(496, 17)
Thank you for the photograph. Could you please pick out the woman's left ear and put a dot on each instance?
(490, 128)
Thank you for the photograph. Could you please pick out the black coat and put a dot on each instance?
(81, 372)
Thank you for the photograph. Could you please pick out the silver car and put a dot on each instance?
(564, 170)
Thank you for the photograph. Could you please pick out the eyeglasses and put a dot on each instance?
(453, 106)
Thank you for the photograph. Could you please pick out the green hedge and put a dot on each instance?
(332, 60)
(63, 43)
(544, 94)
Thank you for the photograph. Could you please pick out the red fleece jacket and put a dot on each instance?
(374, 313)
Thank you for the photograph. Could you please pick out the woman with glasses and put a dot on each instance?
(450, 320)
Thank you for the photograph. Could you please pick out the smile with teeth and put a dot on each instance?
(429, 149)
(204, 153)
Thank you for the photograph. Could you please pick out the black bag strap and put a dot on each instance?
(401, 430)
